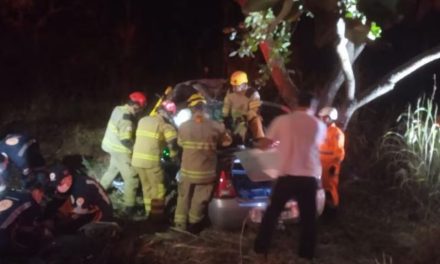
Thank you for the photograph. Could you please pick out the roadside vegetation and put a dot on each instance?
(386, 215)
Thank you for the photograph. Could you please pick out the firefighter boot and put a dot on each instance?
(157, 214)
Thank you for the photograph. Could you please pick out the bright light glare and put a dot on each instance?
(183, 116)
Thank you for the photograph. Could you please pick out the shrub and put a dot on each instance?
(411, 151)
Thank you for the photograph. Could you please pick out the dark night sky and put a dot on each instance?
(100, 50)
(96, 45)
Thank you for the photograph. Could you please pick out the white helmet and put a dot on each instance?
(330, 112)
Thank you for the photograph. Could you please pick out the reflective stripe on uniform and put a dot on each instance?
(196, 174)
(148, 134)
(180, 218)
(125, 135)
(198, 145)
(195, 218)
(170, 135)
(121, 134)
(116, 147)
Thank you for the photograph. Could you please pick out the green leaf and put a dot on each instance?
(375, 31)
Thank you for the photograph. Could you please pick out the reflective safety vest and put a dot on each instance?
(119, 128)
(332, 150)
(152, 135)
(199, 138)
(243, 105)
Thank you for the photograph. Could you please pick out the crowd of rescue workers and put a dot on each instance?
(38, 201)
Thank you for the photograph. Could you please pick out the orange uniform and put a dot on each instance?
(332, 154)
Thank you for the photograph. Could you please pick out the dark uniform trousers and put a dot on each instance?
(302, 188)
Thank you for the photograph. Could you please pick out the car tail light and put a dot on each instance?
(225, 188)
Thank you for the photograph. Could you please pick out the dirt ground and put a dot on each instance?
(375, 224)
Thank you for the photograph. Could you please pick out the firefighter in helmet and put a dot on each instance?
(77, 199)
(153, 134)
(241, 108)
(118, 142)
(332, 153)
(199, 138)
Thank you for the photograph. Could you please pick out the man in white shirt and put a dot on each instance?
(297, 136)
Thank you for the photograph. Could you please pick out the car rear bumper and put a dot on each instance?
(229, 213)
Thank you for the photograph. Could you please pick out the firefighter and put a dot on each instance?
(241, 109)
(153, 134)
(118, 142)
(80, 199)
(23, 152)
(332, 154)
(199, 138)
(20, 229)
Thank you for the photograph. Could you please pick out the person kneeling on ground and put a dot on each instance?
(77, 199)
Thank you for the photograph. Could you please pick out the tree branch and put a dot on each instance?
(342, 52)
(388, 83)
(329, 93)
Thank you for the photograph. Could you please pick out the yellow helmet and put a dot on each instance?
(238, 78)
(196, 99)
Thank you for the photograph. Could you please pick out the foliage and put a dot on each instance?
(258, 26)
(412, 151)
(349, 10)
(261, 26)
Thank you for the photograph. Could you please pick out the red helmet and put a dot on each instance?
(138, 98)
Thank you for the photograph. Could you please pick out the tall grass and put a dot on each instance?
(412, 150)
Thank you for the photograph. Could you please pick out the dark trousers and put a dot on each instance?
(303, 189)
